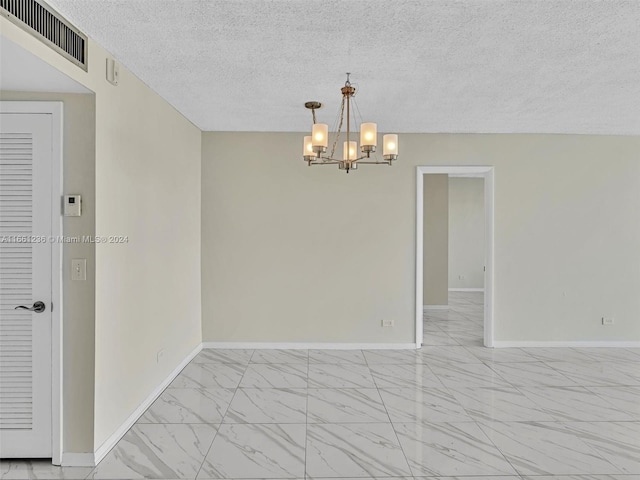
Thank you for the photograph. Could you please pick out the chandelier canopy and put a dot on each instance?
(315, 145)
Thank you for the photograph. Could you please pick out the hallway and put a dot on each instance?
(460, 324)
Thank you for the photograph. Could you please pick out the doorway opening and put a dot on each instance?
(432, 284)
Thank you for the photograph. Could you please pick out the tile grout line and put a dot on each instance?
(306, 424)
(204, 459)
(504, 456)
(393, 428)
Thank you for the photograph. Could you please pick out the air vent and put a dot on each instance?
(44, 23)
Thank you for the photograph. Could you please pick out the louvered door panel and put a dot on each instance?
(25, 277)
(16, 204)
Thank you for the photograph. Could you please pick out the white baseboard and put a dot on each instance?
(466, 289)
(435, 307)
(309, 346)
(110, 442)
(78, 459)
(567, 344)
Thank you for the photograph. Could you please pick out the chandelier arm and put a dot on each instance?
(384, 162)
(333, 162)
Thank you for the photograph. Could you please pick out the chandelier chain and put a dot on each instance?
(356, 113)
(335, 142)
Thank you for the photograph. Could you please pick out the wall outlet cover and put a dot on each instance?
(79, 269)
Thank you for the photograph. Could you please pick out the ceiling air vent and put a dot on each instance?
(44, 23)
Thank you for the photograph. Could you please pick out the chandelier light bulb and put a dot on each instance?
(349, 151)
(390, 146)
(307, 148)
(320, 133)
(368, 137)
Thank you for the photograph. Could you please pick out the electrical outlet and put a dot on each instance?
(160, 355)
(607, 320)
(387, 323)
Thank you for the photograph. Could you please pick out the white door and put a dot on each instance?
(25, 278)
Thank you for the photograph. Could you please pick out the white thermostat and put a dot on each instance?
(72, 205)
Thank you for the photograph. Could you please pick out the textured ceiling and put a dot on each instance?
(568, 66)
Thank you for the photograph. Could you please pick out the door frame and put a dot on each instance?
(56, 110)
(487, 173)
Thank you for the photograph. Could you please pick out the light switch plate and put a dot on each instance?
(79, 269)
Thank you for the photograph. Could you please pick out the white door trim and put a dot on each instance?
(55, 109)
(459, 171)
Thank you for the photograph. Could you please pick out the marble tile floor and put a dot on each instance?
(452, 409)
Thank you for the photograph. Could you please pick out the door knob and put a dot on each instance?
(38, 307)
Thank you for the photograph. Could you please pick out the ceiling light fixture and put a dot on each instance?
(315, 145)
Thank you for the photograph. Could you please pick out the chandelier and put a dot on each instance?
(315, 145)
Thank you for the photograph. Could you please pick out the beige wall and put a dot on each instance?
(292, 253)
(147, 187)
(466, 232)
(148, 290)
(79, 297)
(436, 240)
(302, 254)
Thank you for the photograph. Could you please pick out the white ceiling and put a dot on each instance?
(567, 66)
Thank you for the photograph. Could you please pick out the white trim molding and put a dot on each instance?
(309, 346)
(110, 442)
(78, 459)
(57, 285)
(461, 289)
(566, 344)
(434, 307)
(487, 173)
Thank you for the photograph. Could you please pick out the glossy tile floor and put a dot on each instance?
(452, 408)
